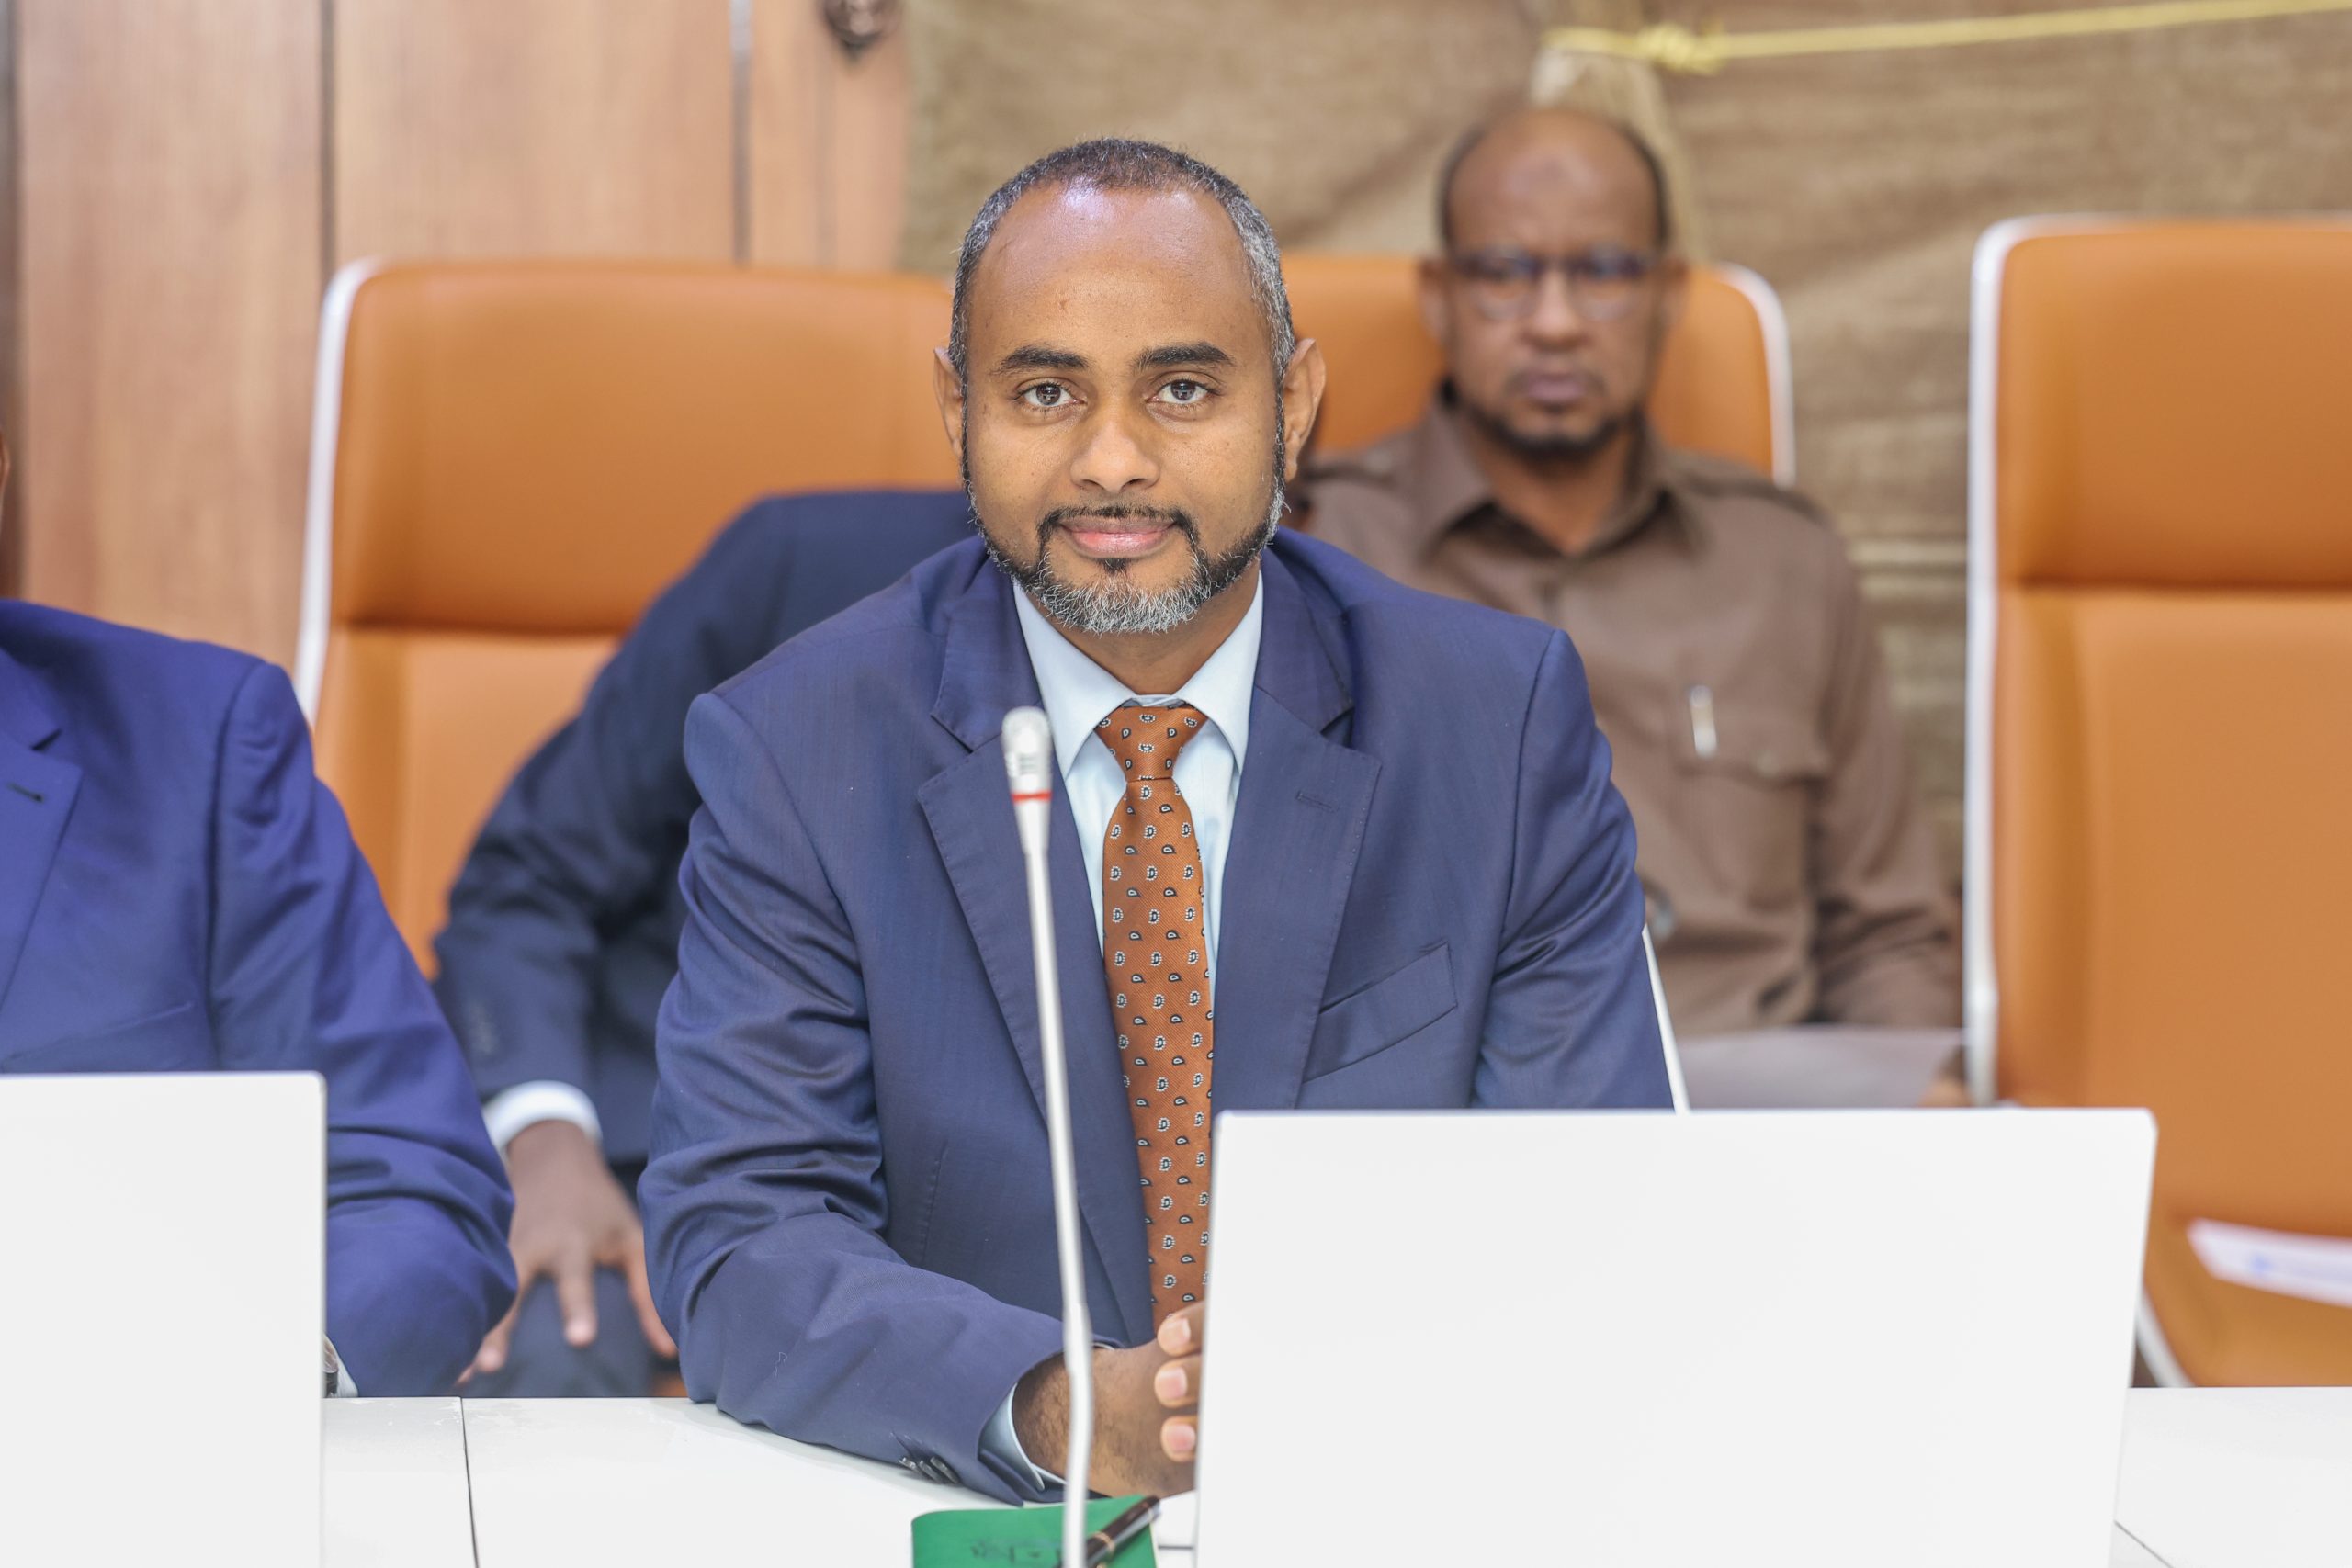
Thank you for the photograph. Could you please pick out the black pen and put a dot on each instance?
(1104, 1543)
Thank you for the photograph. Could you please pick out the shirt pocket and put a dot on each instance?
(1387, 1012)
(1747, 772)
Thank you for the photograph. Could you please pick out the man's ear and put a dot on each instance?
(1302, 398)
(1431, 278)
(948, 388)
(1673, 291)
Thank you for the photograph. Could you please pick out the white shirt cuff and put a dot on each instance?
(542, 1099)
(1004, 1444)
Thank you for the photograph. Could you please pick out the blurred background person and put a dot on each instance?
(563, 926)
(1789, 867)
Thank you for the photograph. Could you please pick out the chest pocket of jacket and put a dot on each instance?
(1748, 775)
(1386, 1013)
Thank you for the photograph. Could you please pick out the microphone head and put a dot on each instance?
(1029, 752)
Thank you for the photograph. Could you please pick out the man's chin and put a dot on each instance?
(1557, 439)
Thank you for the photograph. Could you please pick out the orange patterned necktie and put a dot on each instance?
(1155, 954)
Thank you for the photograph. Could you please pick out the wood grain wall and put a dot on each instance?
(168, 161)
(188, 173)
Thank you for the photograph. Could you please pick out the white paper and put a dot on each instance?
(2316, 1268)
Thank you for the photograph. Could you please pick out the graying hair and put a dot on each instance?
(1117, 164)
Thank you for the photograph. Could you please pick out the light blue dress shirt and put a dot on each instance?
(1077, 695)
(1080, 694)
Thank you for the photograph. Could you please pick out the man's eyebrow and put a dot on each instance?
(1168, 356)
(1041, 356)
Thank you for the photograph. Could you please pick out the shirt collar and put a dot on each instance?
(1445, 487)
(1079, 693)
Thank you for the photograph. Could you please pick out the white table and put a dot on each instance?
(2247, 1478)
(395, 1491)
(2239, 1478)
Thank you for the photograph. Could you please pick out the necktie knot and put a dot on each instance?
(1148, 740)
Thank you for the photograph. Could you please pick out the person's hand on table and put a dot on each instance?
(1949, 1092)
(1146, 1401)
(571, 1219)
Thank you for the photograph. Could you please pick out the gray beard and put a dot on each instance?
(1116, 607)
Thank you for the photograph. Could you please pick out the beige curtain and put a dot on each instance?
(1333, 114)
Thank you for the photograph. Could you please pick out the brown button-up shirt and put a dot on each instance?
(1788, 866)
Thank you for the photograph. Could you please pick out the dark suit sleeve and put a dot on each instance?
(589, 832)
(307, 972)
(1569, 1020)
(764, 1201)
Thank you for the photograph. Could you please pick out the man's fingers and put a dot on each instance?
(640, 1290)
(1179, 1332)
(1179, 1437)
(1177, 1383)
(575, 1297)
(493, 1354)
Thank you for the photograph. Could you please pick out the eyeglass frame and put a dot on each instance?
(1576, 271)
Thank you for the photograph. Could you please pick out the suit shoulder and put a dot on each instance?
(1433, 625)
(163, 679)
(874, 638)
(819, 526)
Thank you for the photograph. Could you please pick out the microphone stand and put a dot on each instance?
(1028, 765)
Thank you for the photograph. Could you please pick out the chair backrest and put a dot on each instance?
(509, 459)
(1722, 383)
(2160, 705)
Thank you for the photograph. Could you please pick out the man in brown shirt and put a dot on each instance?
(1788, 866)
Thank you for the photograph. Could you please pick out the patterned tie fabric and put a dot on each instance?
(1155, 952)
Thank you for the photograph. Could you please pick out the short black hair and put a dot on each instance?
(1479, 132)
(1116, 164)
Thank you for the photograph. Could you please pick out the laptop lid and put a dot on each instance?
(160, 1327)
(1845, 1338)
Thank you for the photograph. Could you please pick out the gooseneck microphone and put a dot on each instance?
(1029, 766)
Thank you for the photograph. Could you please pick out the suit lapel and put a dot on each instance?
(1298, 829)
(969, 808)
(36, 796)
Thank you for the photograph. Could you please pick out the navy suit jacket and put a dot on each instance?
(179, 893)
(563, 924)
(1429, 901)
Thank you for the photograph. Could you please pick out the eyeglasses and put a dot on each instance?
(1603, 284)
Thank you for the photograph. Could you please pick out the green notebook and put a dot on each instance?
(1016, 1537)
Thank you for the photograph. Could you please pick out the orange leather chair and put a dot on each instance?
(509, 459)
(2160, 734)
(1722, 384)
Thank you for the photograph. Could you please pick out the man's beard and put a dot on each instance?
(1116, 607)
(1551, 447)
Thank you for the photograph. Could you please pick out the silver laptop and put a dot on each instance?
(1840, 1338)
(160, 1324)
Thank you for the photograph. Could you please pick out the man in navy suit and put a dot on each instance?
(563, 924)
(178, 893)
(1361, 838)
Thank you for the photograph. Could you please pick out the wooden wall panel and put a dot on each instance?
(828, 142)
(170, 203)
(534, 127)
(12, 358)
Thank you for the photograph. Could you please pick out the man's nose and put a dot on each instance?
(1112, 456)
(1553, 318)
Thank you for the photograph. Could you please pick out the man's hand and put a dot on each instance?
(1145, 1428)
(571, 1219)
(1949, 1092)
